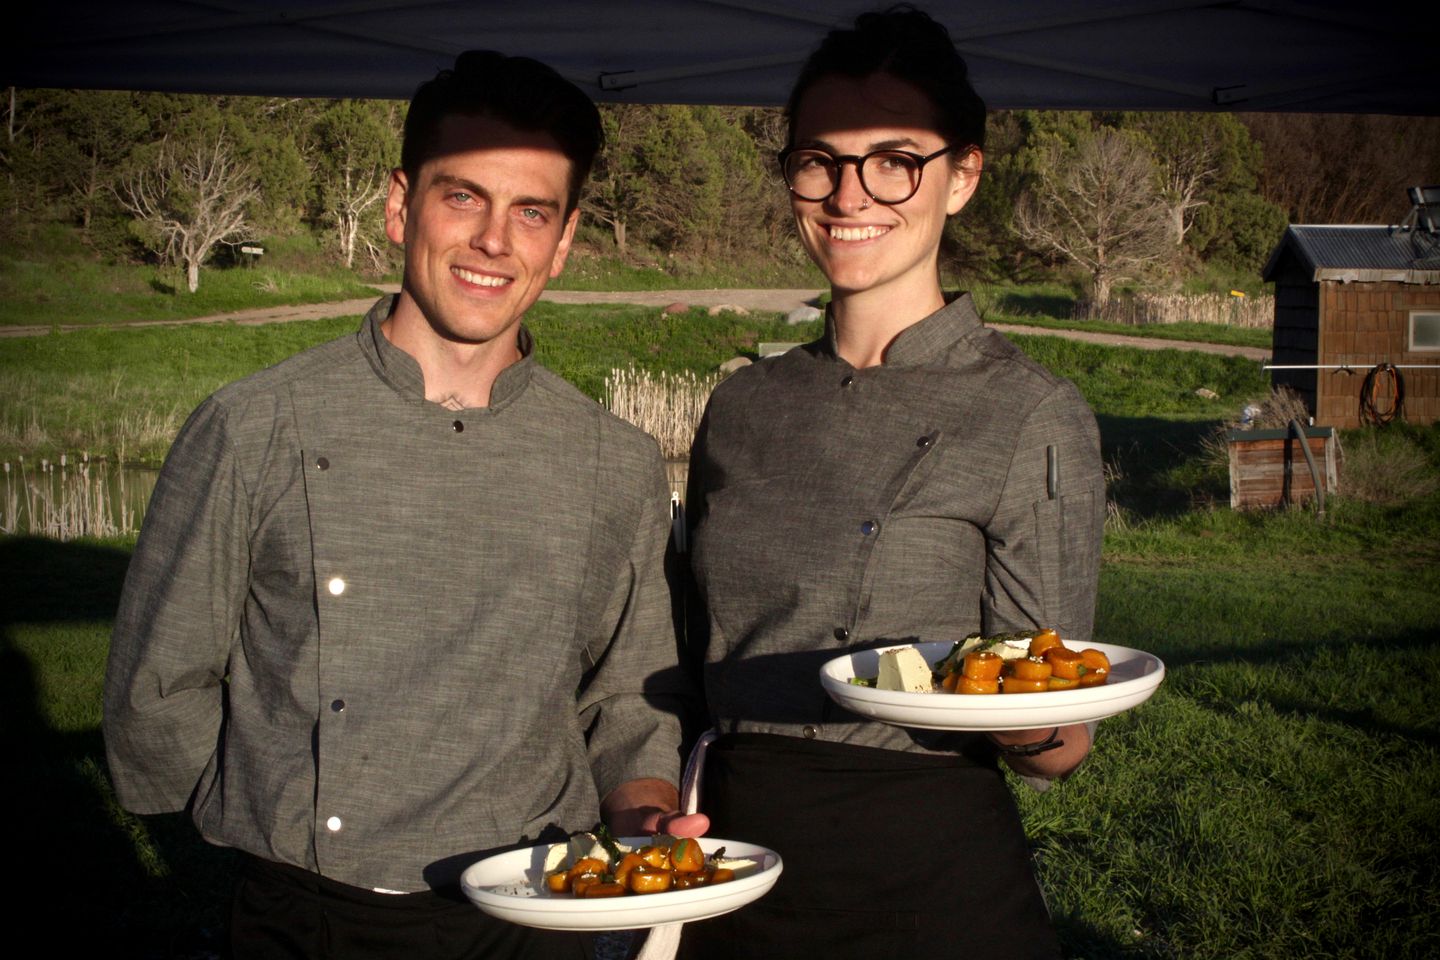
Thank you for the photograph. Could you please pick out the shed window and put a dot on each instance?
(1425, 331)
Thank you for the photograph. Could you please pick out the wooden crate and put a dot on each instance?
(1268, 468)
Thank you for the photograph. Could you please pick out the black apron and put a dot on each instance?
(886, 853)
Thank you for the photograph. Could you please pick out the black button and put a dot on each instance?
(810, 731)
(337, 706)
(322, 464)
(923, 442)
(869, 527)
(841, 633)
(458, 427)
(846, 380)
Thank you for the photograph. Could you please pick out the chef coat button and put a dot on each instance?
(847, 380)
(336, 586)
(337, 706)
(321, 463)
(458, 426)
(842, 634)
(869, 527)
(810, 731)
(333, 824)
(923, 442)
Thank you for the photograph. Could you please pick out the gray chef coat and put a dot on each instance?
(374, 638)
(956, 487)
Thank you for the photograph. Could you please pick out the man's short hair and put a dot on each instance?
(522, 92)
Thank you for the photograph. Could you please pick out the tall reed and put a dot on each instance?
(66, 501)
(668, 406)
(1256, 313)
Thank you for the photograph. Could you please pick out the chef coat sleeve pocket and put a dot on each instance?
(1066, 563)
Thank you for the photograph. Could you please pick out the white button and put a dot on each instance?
(337, 586)
(333, 824)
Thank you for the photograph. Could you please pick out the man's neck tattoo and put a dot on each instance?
(452, 402)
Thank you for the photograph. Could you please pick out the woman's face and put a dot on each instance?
(858, 243)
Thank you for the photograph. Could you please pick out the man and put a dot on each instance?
(399, 602)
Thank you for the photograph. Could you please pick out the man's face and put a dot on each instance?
(484, 227)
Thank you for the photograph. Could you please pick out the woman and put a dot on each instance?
(909, 476)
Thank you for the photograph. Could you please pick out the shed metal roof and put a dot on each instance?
(1361, 253)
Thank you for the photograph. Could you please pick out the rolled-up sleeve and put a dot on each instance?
(1043, 543)
(179, 611)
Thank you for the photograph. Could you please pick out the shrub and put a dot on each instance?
(1387, 467)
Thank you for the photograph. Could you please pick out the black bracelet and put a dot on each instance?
(1031, 749)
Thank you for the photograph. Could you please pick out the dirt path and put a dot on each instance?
(782, 301)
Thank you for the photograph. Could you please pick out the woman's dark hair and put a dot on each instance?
(522, 92)
(908, 45)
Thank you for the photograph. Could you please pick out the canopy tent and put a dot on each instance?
(1283, 55)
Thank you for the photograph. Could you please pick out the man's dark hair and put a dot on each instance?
(908, 45)
(522, 92)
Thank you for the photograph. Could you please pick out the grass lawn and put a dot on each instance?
(123, 393)
(45, 292)
(1199, 332)
(593, 269)
(1276, 798)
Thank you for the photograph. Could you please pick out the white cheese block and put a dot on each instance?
(904, 669)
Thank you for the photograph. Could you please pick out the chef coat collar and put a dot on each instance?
(924, 340)
(402, 372)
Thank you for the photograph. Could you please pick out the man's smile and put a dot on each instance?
(480, 279)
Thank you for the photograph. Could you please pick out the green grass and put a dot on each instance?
(44, 292)
(1153, 424)
(1197, 332)
(124, 393)
(1048, 306)
(588, 269)
(583, 344)
(149, 887)
(1274, 799)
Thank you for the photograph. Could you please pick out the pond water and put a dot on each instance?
(66, 499)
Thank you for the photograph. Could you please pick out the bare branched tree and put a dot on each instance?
(355, 143)
(1186, 172)
(1098, 204)
(193, 198)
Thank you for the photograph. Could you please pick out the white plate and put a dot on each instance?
(511, 886)
(1134, 675)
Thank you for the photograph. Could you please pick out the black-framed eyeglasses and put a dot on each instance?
(887, 176)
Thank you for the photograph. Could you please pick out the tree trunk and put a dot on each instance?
(1101, 295)
(1177, 222)
(192, 275)
(349, 227)
(618, 229)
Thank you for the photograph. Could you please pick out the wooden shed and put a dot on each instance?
(1348, 298)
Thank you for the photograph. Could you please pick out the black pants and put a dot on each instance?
(281, 911)
(886, 854)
